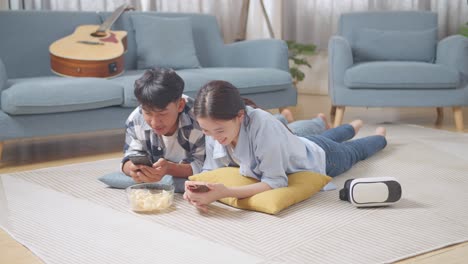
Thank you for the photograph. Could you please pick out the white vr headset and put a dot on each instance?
(368, 192)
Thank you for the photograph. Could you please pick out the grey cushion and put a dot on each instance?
(157, 37)
(209, 44)
(374, 44)
(56, 94)
(401, 75)
(119, 180)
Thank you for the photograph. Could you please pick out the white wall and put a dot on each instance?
(3, 4)
(316, 77)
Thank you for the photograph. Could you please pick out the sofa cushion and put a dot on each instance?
(373, 45)
(248, 80)
(127, 81)
(192, 82)
(401, 75)
(156, 37)
(56, 94)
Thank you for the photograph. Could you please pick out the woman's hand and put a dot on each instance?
(218, 190)
(202, 199)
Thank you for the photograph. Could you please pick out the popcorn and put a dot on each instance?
(144, 200)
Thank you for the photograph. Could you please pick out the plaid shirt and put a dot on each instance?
(140, 138)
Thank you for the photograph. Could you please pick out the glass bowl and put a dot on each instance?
(150, 197)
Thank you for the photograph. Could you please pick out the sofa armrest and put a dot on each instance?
(3, 76)
(452, 51)
(264, 53)
(340, 58)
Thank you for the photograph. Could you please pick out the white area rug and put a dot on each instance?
(65, 215)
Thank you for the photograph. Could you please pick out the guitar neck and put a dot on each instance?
(111, 19)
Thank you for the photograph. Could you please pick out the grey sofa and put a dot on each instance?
(37, 103)
(393, 59)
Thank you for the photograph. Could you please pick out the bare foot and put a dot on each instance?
(288, 115)
(356, 124)
(324, 119)
(381, 131)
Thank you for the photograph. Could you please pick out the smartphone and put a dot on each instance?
(141, 160)
(199, 188)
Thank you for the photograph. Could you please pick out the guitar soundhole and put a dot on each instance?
(99, 34)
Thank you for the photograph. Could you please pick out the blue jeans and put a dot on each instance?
(304, 128)
(340, 154)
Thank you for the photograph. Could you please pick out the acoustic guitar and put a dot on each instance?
(91, 51)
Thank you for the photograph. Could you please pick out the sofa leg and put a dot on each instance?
(332, 113)
(458, 117)
(440, 116)
(1, 150)
(339, 116)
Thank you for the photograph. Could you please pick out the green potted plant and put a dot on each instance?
(297, 53)
(464, 30)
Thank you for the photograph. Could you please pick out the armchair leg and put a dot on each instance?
(332, 113)
(440, 116)
(1, 150)
(339, 115)
(458, 117)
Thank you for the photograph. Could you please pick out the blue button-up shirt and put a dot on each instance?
(267, 151)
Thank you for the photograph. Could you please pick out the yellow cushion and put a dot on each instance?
(302, 185)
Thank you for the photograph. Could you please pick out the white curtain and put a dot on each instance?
(226, 11)
(308, 21)
(4, 5)
(314, 21)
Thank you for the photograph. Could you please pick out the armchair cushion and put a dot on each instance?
(156, 37)
(3, 76)
(401, 75)
(377, 45)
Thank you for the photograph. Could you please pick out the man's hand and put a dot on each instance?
(142, 173)
(162, 166)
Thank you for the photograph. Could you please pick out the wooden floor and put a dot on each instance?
(32, 154)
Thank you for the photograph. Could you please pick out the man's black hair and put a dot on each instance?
(158, 87)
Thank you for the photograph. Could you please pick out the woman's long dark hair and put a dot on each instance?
(218, 100)
(222, 101)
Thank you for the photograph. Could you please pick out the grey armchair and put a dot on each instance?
(393, 59)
